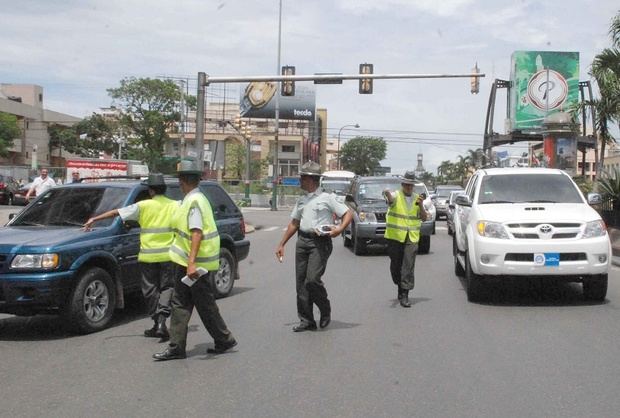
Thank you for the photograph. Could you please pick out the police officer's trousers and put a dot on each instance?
(157, 287)
(402, 262)
(311, 255)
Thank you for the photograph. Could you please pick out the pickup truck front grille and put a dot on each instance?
(380, 216)
(544, 231)
(529, 257)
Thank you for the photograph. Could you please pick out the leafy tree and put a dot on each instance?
(149, 113)
(9, 130)
(235, 160)
(87, 138)
(363, 154)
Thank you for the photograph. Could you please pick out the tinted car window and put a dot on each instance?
(374, 190)
(174, 192)
(220, 202)
(528, 188)
(336, 186)
(73, 206)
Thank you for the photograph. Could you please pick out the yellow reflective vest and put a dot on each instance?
(208, 256)
(402, 220)
(156, 234)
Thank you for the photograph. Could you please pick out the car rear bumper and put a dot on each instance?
(576, 257)
(242, 249)
(26, 294)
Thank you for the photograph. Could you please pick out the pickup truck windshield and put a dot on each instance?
(72, 206)
(528, 188)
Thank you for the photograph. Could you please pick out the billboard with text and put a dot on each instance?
(258, 101)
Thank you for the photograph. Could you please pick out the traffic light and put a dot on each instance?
(475, 81)
(288, 87)
(366, 83)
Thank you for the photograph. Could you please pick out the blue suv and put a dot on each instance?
(48, 264)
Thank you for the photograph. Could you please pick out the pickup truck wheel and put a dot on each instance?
(474, 281)
(346, 240)
(359, 246)
(595, 287)
(91, 305)
(424, 246)
(458, 269)
(223, 280)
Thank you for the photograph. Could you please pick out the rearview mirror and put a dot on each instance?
(595, 199)
(463, 200)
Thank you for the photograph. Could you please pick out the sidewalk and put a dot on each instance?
(614, 237)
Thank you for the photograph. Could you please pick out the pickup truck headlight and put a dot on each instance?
(492, 230)
(594, 229)
(35, 261)
(368, 217)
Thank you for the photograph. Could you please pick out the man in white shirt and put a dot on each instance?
(41, 184)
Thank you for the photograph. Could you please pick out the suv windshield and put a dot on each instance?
(72, 206)
(336, 186)
(374, 190)
(533, 188)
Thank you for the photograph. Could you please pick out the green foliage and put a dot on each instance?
(363, 154)
(584, 183)
(609, 185)
(87, 138)
(9, 130)
(149, 112)
(235, 160)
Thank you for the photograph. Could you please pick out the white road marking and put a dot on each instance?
(271, 228)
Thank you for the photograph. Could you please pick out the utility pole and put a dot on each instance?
(200, 120)
(274, 195)
(182, 134)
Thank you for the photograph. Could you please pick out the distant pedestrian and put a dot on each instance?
(402, 231)
(75, 177)
(314, 246)
(154, 216)
(196, 245)
(40, 184)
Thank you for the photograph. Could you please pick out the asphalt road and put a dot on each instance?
(531, 350)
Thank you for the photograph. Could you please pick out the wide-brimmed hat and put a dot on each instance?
(310, 169)
(408, 178)
(155, 179)
(187, 166)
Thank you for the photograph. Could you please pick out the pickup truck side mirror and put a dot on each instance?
(11, 216)
(463, 200)
(595, 199)
(348, 198)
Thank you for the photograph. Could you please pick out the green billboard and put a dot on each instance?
(542, 83)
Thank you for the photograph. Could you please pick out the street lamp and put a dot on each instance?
(345, 126)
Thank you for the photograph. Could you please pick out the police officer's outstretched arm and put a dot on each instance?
(291, 229)
(109, 214)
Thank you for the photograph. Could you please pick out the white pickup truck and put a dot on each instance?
(529, 222)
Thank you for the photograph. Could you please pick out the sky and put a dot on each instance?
(76, 49)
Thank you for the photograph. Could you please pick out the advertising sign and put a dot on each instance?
(258, 101)
(96, 168)
(542, 82)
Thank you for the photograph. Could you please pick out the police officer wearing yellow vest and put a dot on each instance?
(402, 231)
(154, 216)
(196, 245)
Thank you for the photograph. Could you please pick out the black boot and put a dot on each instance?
(152, 332)
(162, 331)
(404, 299)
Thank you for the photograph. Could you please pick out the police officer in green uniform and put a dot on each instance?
(313, 210)
(154, 217)
(402, 231)
(196, 246)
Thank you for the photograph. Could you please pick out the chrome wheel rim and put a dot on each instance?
(223, 275)
(96, 301)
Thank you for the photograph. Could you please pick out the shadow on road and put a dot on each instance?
(532, 291)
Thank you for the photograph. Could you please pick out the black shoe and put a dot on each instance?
(161, 330)
(325, 320)
(152, 332)
(404, 299)
(170, 353)
(222, 347)
(304, 327)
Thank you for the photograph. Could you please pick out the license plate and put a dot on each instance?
(547, 259)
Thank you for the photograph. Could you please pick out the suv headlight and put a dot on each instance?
(594, 229)
(492, 230)
(35, 261)
(368, 217)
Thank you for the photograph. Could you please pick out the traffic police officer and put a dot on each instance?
(196, 245)
(314, 247)
(402, 231)
(154, 217)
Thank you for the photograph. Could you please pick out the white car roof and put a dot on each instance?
(521, 170)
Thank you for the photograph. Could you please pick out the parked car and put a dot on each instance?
(19, 198)
(451, 206)
(337, 181)
(8, 187)
(441, 196)
(369, 209)
(50, 265)
(529, 222)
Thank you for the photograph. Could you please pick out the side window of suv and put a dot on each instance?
(221, 203)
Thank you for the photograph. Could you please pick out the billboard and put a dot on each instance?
(542, 82)
(258, 101)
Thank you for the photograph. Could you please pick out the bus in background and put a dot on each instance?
(337, 181)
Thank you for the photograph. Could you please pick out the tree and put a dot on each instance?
(235, 160)
(87, 138)
(150, 112)
(363, 154)
(9, 130)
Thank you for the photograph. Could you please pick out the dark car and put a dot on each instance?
(48, 264)
(451, 209)
(19, 198)
(369, 210)
(8, 188)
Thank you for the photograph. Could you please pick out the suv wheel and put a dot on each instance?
(223, 280)
(424, 246)
(595, 287)
(359, 246)
(92, 303)
(474, 281)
